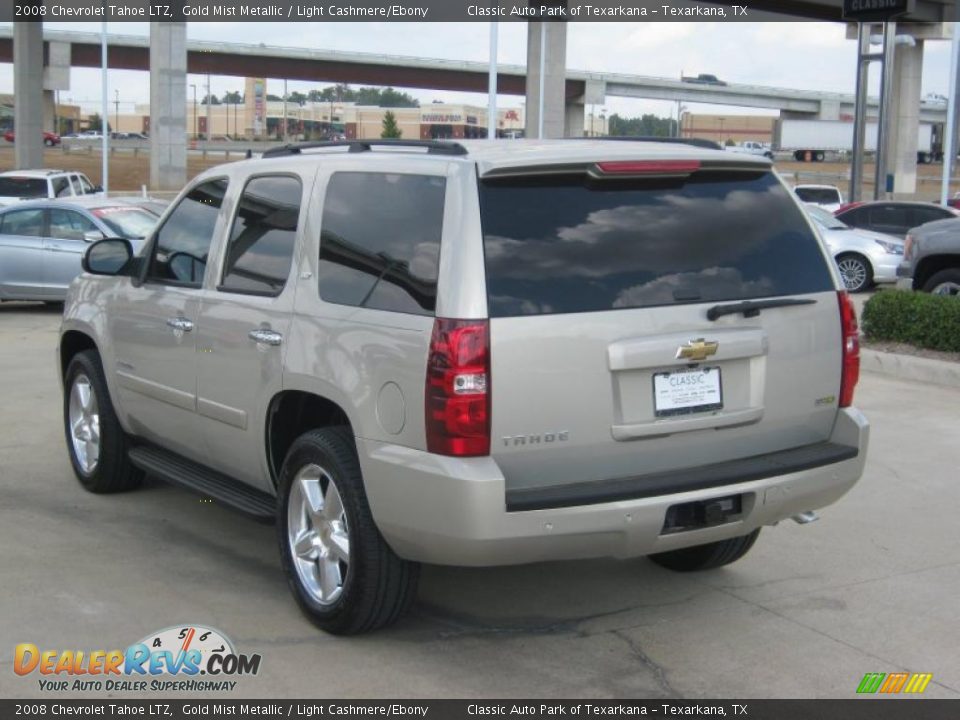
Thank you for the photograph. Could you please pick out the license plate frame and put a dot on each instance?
(670, 401)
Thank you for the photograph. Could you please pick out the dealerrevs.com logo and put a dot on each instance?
(183, 658)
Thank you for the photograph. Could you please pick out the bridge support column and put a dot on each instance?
(168, 100)
(905, 118)
(28, 93)
(574, 117)
(552, 36)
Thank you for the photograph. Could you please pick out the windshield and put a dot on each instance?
(23, 187)
(821, 196)
(825, 218)
(126, 222)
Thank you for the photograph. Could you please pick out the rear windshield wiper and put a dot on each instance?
(752, 308)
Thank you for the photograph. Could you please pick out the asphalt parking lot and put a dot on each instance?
(871, 587)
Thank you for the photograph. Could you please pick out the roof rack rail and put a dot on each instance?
(696, 142)
(433, 147)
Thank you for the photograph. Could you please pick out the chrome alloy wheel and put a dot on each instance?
(948, 288)
(853, 272)
(84, 424)
(317, 534)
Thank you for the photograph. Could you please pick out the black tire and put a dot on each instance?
(856, 272)
(113, 471)
(818, 156)
(945, 282)
(707, 557)
(377, 587)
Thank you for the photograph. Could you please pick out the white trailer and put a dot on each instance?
(815, 140)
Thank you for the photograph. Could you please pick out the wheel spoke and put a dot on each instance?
(332, 504)
(340, 545)
(330, 579)
(83, 389)
(304, 545)
(310, 487)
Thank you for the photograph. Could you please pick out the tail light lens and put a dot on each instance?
(458, 388)
(851, 349)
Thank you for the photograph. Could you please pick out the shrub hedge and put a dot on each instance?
(920, 319)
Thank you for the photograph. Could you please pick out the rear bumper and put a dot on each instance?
(453, 511)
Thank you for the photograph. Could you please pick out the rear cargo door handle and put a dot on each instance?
(265, 337)
(180, 324)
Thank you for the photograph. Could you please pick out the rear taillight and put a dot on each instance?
(458, 388)
(850, 333)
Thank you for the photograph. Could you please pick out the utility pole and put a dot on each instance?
(116, 110)
(284, 110)
(195, 125)
(208, 107)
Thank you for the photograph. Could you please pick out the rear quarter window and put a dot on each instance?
(570, 244)
(380, 241)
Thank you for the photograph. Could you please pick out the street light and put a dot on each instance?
(721, 130)
(116, 111)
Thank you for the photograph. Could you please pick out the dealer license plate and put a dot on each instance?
(687, 391)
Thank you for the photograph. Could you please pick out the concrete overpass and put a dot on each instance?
(130, 52)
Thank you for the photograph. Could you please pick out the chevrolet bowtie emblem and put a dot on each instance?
(697, 350)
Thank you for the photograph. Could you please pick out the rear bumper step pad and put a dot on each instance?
(672, 482)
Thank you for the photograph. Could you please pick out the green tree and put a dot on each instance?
(211, 99)
(297, 98)
(233, 97)
(646, 125)
(94, 122)
(390, 129)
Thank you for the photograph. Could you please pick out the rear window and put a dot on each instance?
(569, 244)
(23, 187)
(821, 196)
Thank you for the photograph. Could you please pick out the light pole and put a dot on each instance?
(721, 130)
(116, 110)
(195, 132)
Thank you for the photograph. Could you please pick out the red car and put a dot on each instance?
(49, 139)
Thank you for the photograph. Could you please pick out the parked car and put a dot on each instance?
(472, 354)
(863, 257)
(894, 217)
(49, 139)
(18, 185)
(42, 242)
(128, 136)
(931, 259)
(826, 196)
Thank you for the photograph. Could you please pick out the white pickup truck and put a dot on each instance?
(751, 147)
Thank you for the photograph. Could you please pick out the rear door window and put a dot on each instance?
(921, 215)
(380, 241)
(567, 244)
(23, 222)
(889, 217)
(61, 186)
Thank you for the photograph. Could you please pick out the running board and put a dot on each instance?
(190, 475)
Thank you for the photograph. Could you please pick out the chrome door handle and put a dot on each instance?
(266, 337)
(180, 323)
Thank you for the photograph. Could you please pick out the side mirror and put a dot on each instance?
(108, 257)
(98, 188)
(92, 236)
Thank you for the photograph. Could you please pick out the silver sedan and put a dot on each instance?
(864, 257)
(42, 242)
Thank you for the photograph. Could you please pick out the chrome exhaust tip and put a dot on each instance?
(805, 517)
